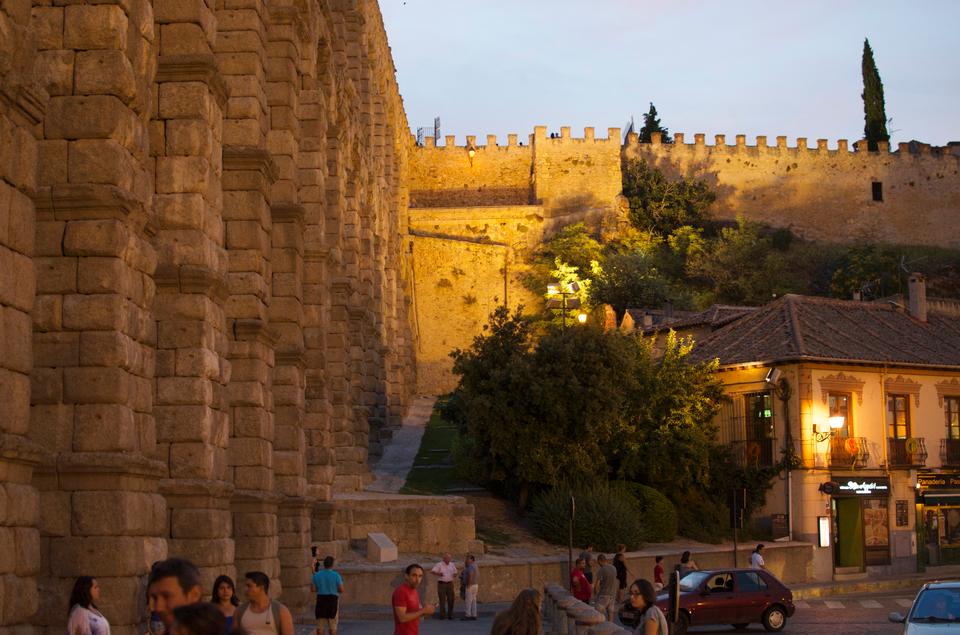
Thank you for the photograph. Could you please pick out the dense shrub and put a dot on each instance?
(658, 518)
(605, 516)
(701, 517)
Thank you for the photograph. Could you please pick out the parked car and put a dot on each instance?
(936, 605)
(727, 596)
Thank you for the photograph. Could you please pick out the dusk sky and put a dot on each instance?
(731, 67)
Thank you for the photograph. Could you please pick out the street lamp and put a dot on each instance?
(834, 424)
(572, 288)
(582, 318)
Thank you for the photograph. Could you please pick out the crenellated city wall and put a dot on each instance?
(461, 222)
(824, 191)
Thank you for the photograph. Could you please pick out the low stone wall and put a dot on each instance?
(502, 578)
(565, 615)
(416, 524)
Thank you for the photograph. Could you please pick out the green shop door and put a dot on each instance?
(848, 552)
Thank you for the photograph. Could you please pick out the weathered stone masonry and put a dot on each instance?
(202, 212)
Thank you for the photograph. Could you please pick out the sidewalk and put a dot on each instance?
(898, 582)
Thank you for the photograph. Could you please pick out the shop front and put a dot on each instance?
(938, 501)
(861, 525)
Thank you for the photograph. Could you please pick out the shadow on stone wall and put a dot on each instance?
(472, 197)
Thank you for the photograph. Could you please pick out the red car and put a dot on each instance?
(727, 596)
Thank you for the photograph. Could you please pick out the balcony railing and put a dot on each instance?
(850, 453)
(754, 452)
(906, 453)
(950, 452)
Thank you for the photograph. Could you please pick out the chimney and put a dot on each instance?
(647, 320)
(918, 296)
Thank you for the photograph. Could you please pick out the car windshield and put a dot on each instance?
(937, 605)
(693, 580)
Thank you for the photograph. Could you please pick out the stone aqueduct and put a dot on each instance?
(201, 222)
(213, 282)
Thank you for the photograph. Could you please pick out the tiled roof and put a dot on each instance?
(797, 328)
(715, 315)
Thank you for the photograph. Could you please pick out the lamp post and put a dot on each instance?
(572, 288)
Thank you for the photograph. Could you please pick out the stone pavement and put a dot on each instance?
(427, 627)
(390, 472)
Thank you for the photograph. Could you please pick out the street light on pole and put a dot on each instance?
(563, 290)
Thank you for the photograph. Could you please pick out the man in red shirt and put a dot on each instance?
(578, 581)
(407, 610)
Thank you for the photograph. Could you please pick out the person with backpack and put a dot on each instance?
(260, 615)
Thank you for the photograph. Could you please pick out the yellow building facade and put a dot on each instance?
(867, 396)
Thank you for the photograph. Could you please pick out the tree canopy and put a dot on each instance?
(651, 124)
(874, 108)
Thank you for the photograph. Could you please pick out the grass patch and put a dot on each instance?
(494, 537)
(433, 471)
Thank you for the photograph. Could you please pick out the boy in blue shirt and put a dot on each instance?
(328, 585)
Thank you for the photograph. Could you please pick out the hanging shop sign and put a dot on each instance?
(861, 486)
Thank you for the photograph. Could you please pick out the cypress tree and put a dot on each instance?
(651, 123)
(875, 114)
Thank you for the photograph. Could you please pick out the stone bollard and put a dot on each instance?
(586, 619)
(608, 628)
(561, 623)
(553, 594)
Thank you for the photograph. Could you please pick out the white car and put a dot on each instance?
(936, 609)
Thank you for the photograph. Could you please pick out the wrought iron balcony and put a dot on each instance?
(950, 452)
(850, 453)
(754, 452)
(906, 453)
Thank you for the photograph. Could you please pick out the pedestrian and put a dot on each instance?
(522, 618)
(260, 615)
(446, 571)
(620, 564)
(756, 558)
(172, 583)
(658, 573)
(579, 585)
(644, 599)
(606, 588)
(471, 586)
(328, 585)
(687, 564)
(202, 618)
(224, 596)
(587, 556)
(407, 609)
(83, 616)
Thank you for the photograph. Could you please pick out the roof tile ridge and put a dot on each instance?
(790, 300)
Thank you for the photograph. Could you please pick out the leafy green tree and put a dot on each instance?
(651, 124)
(627, 280)
(870, 270)
(522, 406)
(670, 410)
(875, 115)
(661, 205)
(741, 266)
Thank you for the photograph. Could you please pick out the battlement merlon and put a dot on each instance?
(589, 136)
(842, 147)
(540, 135)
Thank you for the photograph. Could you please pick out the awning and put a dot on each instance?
(941, 497)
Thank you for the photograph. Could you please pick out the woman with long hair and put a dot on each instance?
(644, 599)
(522, 618)
(224, 596)
(83, 616)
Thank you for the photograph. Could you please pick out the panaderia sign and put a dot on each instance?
(938, 481)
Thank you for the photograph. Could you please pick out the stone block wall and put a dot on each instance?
(204, 297)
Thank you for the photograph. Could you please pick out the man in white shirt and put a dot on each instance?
(756, 559)
(447, 572)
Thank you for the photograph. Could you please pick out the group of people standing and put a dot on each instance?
(174, 598)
